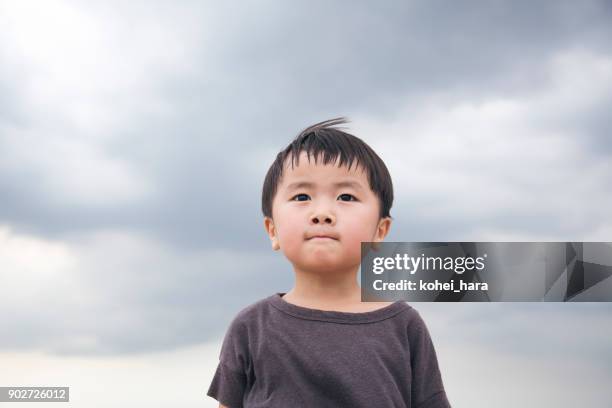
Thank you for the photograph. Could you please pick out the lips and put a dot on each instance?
(322, 236)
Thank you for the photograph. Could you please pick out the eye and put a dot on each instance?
(349, 197)
(305, 196)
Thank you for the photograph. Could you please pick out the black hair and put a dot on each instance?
(327, 140)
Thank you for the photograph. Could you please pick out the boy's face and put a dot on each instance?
(310, 201)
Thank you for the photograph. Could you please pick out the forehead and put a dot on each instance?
(308, 170)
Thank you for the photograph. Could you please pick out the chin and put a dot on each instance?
(325, 265)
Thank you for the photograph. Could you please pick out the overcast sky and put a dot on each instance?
(135, 136)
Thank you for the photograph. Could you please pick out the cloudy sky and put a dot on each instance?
(134, 138)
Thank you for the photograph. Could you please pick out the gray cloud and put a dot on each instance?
(256, 78)
(532, 330)
(164, 118)
(116, 293)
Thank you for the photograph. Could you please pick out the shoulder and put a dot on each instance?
(250, 315)
(404, 318)
(416, 329)
(244, 328)
(413, 322)
(407, 313)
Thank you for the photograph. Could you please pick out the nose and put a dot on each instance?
(323, 218)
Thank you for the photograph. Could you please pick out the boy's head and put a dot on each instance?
(326, 183)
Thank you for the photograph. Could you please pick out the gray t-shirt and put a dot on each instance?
(278, 355)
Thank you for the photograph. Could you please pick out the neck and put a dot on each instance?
(329, 288)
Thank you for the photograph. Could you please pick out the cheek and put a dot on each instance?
(356, 233)
(290, 236)
(354, 246)
(360, 227)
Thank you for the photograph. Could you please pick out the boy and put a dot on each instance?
(318, 345)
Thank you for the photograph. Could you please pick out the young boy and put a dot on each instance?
(318, 345)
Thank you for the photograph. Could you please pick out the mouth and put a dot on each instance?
(321, 238)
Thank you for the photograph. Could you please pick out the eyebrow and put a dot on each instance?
(306, 184)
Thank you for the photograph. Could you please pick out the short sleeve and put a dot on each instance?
(427, 387)
(229, 382)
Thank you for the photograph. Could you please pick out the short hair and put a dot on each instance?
(325, 139)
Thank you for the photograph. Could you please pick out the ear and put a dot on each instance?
(384, 225)
(271, 230)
